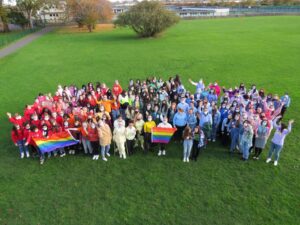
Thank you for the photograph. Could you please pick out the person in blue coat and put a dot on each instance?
(191, 119)
(246, 139)
(235, 128)
(286, 101)
(183, 105)
(212, 96)
(216, 120)
(206, 123)
(180, 122)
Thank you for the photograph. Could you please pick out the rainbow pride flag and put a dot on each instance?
(162, 135)
(55, 141)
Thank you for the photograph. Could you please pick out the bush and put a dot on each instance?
(147, 18)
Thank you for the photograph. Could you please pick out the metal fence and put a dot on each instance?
(6, 38)
(264, 10)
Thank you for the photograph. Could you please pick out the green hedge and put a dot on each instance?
(6, 38)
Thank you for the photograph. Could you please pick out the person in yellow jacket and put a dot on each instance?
(147, 133)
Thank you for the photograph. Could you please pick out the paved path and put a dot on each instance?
(13, 47)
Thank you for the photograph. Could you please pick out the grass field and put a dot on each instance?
(218, 189)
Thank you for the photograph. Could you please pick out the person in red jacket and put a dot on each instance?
(117, 89)
(28, 111)
(55, 129)
(57, 118)
(46, 121)
(36, 133)
(17, 135)
(93, 137)
(87, 147)
(35, 121)
(17, 119)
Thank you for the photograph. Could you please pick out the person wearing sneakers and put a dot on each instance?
(119, 138)
(17, 135)
(278, 139)
(187, 143)
(93, 138)
(130, 133)
(139, 125)
(147, 133)
(105, 137)
(246, 139)
(262, 135)
(162, 146)
(87, 147)
(198, 142)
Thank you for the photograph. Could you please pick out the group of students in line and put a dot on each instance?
(99, 117)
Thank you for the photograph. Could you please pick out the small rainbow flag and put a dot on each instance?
(162, 135)
(55, 141)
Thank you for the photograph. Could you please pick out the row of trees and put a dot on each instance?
(22, 13)
(84, 12)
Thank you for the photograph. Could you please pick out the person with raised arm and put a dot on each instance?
(280, 134)
(199, 85)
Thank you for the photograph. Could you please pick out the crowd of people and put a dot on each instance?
(100, 117)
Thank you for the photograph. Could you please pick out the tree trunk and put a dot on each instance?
(3, 18)
(90, 27)
(30, 19)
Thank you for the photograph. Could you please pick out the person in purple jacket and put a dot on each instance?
(278, 139)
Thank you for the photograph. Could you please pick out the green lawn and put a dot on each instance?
(218, 189)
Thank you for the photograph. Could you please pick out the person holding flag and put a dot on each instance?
(162, 146)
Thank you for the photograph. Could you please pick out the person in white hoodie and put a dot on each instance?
(120, 138)
(162, 146)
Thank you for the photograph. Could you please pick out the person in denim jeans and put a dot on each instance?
(246, 139)
(18, 138)
(278, 140)
(105, 137)
(187, 143)
(87, 147)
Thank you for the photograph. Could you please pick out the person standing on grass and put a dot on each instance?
(18, 137)
(130, 133)
(180, 122)
(198, 142)
(262, 135)
(278, 139)
(119, 138)
(117, 89)
(206, 123)
(199, 85)
(105, 137)
(87, 147)
(191, 119)
(187, 143)
(162, 146)
(147, 133)
(246, 139)
(93, 138)
(216, 120)
(139, 125)
(235, 128)
(286, 101)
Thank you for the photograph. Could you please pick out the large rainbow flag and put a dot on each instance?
(55, 141)
(162, 135)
